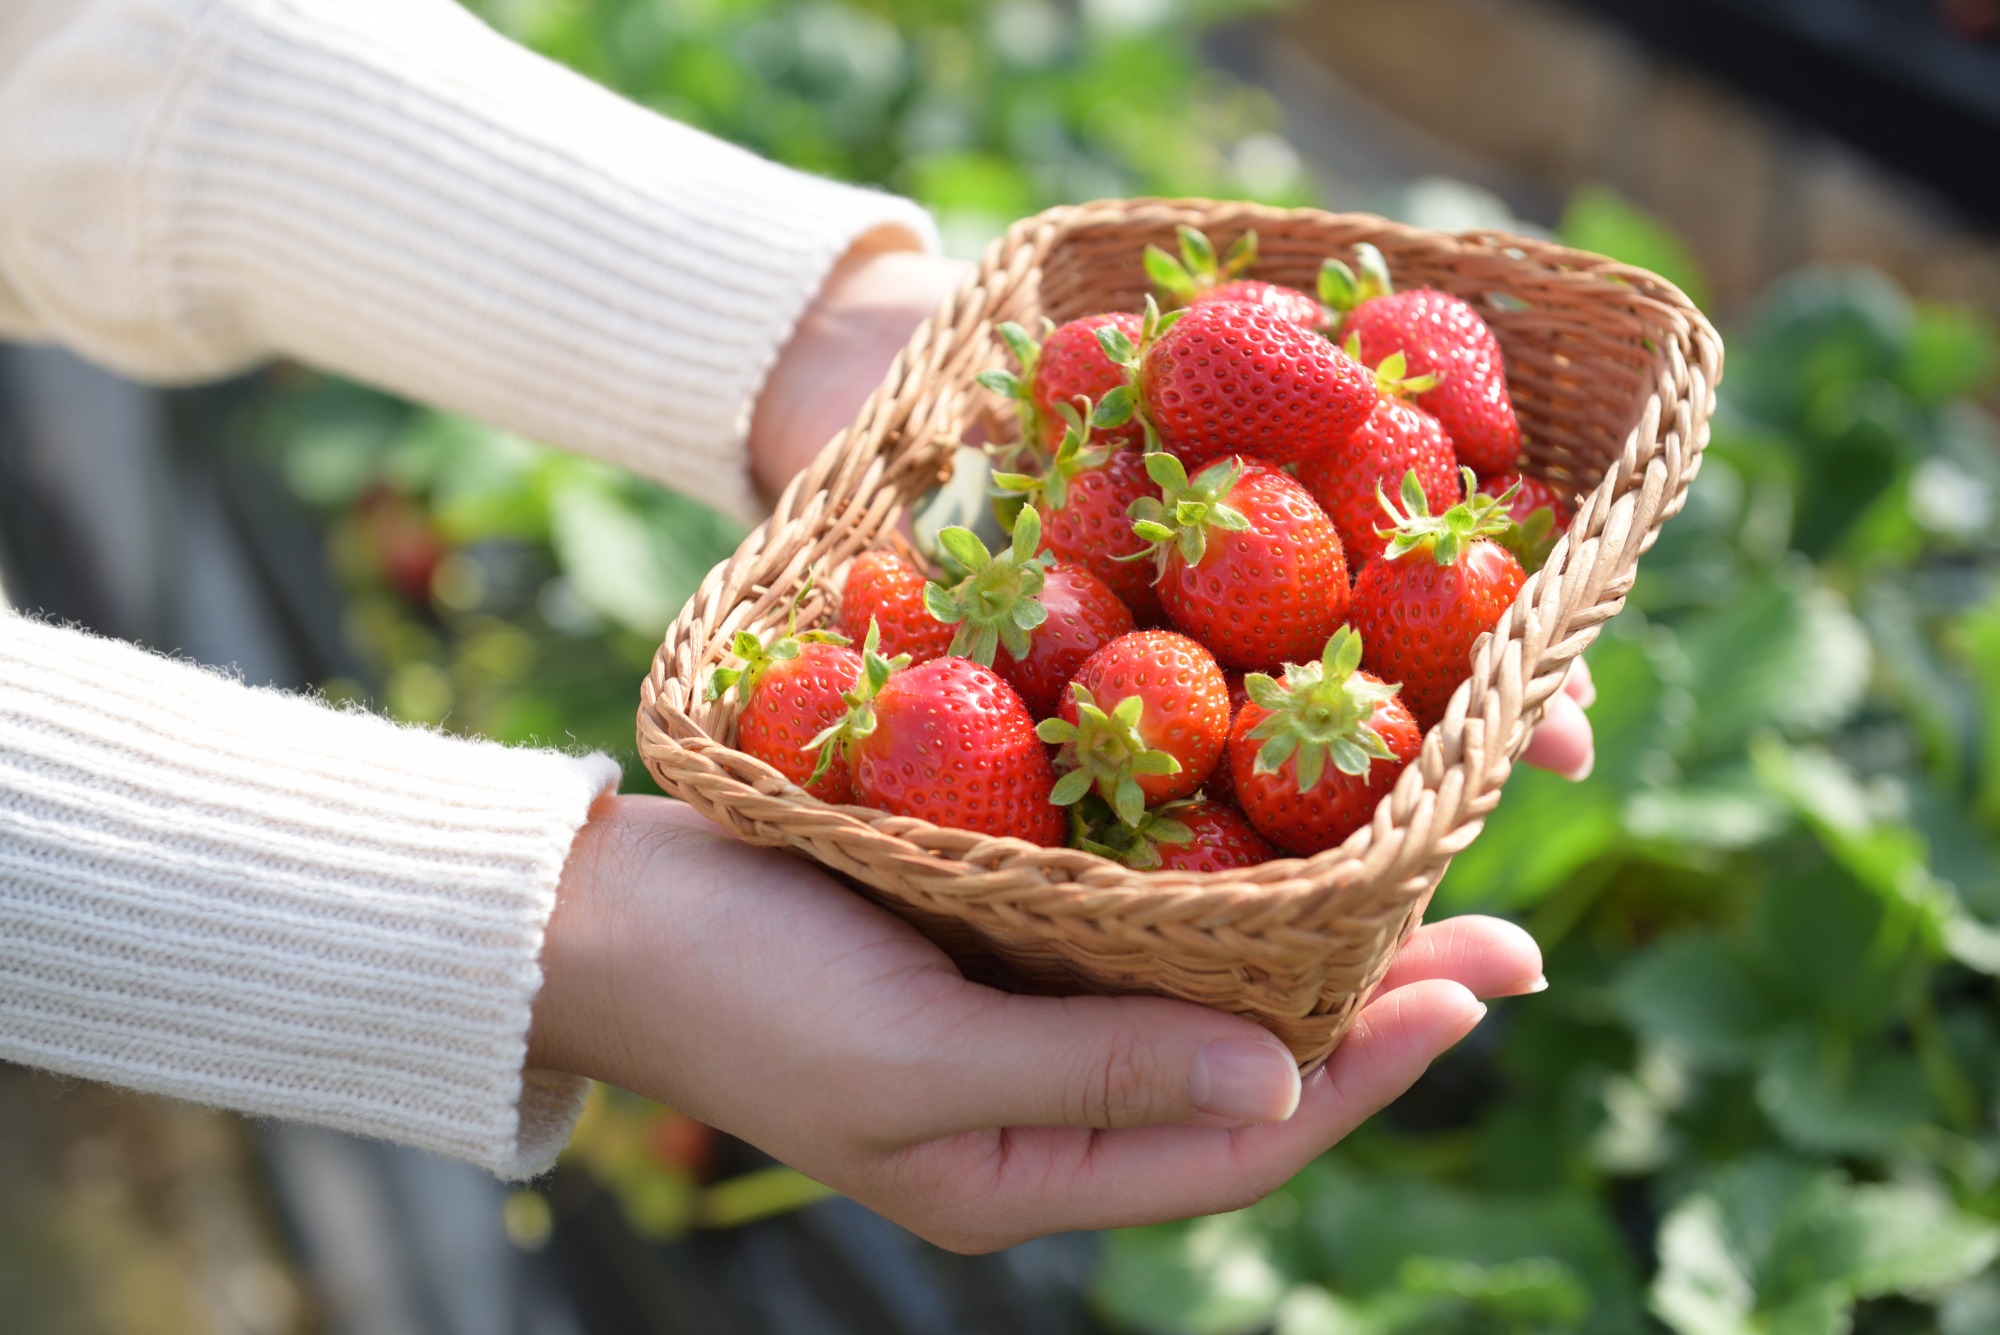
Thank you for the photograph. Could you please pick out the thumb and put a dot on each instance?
(1109, 1062)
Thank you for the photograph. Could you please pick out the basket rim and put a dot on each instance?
(945, 854)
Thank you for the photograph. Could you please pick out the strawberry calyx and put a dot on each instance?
(758, 656)
(1448, 536)
(1531, 539)
(859, 721)
(995, 602)
(1392, 377)
(1180, 518)
(1106, 753)
(1342, 288)
(1123, 403)
(1196, 271)
(1095, 828)
(1019, 388)
(1319, 714)
(1073, 455)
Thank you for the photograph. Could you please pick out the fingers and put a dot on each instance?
(1012, 1185)
(1104, 1062)
(1562, 743)
(1489, 957)
(1578, 686)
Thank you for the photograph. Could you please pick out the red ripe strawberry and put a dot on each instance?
(791, 689)
(1196, 277)
(1397, 437)
(1195, 835)
(1085, 496)
(1442, 336)
(1533, 494)
(884, 589)
(1219, 787)
(946, 741)
(1441, 584)
(1221, 378)
(1143, 722)
(1032, 619)
(1219, 838)
(1539, 513)
(1312, 755)
(1067, 366)
(1287, 303)
(1249, 564)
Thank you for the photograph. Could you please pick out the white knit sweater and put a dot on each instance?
(249, 899)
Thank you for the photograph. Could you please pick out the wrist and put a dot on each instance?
(574, 1002)
(864, 313)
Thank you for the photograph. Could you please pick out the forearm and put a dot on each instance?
(392, 191)
(251, 900)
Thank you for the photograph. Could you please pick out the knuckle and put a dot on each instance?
(1116, 1089)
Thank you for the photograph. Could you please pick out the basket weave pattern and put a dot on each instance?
(1613, 374)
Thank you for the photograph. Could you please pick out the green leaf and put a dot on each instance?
(621, 568)
(1951, 353)
(1827, 1098)
(1785, 654)
(1215, 1276)
(1696, 994)
(1600, 219)
(1168, 274)
(1770, 1245)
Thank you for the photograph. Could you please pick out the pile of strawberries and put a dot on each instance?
(1253, 542)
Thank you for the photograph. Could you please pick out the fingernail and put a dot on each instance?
(1245, 1081)
(1582, 772)
(1541, 984)
(1586, 695)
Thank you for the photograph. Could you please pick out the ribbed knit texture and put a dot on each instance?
(252, 900)
(389, 189)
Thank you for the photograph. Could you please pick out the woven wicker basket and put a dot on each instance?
(1613, 374)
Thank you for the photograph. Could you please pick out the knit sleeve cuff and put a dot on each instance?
(251, 900)
(389, 189)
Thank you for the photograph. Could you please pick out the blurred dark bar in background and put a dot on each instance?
(1916, 83)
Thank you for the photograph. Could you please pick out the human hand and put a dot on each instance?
(751, 991)
(865, 312)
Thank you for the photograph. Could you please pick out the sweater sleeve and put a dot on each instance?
(252, 900)
(391, 190)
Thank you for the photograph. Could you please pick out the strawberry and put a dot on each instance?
(1144, 721)
(1032, 619)
(1539, 514)
(1067, 366)
(1248, 563)
(1196, 277)
(791, 689)
(1440, 585)
(1397, 437)
(1442, 336)
(1220, 838)
(883, 589)
(946, 741)
(1312, 755)
(1195, 835)
(1219, 788)
(1085, 495)
(1222, 378)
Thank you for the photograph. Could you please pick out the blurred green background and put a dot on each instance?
(1761, 1093)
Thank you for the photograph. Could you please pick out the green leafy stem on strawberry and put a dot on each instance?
(1109, 752)
(860, 701)
(1319, 714)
